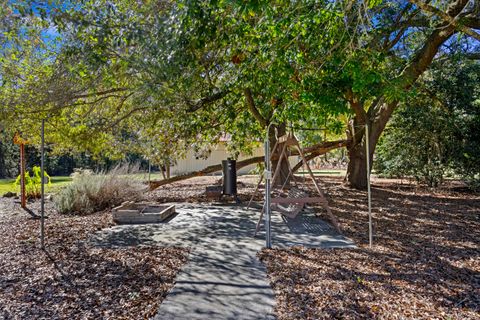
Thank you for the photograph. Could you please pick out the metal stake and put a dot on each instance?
(149, 171)
(268, 177)
(42, 176)
(370, 228)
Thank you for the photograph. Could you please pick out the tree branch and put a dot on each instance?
(453, 21)
(98, 93)
(356, 105)
(320, 149)
(314, 151)
(207, 170)
(253, 109)
(197, 105)
(473, 55)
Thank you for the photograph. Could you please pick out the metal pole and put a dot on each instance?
(370, 228)
(268, 177)
(149, 171)
(42, 175)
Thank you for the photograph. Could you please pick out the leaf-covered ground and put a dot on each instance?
(72, 280)
(425, 263)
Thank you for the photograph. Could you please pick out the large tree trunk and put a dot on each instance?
(357, 165)
(283, 175)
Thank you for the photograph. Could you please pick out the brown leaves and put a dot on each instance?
(73, 280)
(425, 264)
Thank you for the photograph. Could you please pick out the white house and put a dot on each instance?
(193, 163)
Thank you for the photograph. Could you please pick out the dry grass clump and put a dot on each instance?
(91, 192)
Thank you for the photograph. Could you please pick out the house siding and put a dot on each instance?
(190, 163)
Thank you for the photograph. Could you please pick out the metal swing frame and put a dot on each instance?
(296, 198)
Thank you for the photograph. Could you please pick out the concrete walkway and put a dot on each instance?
(223, 278)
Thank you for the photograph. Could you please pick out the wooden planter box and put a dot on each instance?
(214, 192)
(139, 213)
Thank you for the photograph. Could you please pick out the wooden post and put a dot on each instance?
(22, 176)
(17, 139)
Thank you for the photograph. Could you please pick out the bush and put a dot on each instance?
(436, 134)
(90, 192)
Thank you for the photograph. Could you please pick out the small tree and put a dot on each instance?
(416, 144)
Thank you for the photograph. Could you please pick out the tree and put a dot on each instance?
(436, 133)
(115, 42)
(227, 67)
(406, 48)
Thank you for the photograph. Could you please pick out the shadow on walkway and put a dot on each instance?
(224, 278)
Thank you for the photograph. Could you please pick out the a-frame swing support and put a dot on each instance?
(285, 142)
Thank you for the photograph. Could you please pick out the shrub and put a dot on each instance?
(33, 184)
(436, 133)
(90, 192)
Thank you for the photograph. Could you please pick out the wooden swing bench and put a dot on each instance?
(295, 200)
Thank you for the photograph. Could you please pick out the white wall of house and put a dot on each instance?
(190, 163)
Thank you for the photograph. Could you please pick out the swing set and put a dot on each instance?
(292, 201)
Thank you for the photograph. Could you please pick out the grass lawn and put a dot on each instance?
(144, 176)
(57, 182)
(7, 185)
(326, 172)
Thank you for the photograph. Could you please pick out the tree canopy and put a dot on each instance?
(172, 75)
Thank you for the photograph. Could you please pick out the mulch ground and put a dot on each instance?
(425, 262)
(72, 280)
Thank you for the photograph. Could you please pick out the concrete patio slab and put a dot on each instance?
(224, 278)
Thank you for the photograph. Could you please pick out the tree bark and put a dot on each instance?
(318, 150)
(357, 167)
(282, 177)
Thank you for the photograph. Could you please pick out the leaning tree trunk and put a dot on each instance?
(310, 153)
(283, 176)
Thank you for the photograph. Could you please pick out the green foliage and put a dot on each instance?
(415, 145)
(33, 183)
(159, 78)
(436, 133)
(90, 192)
